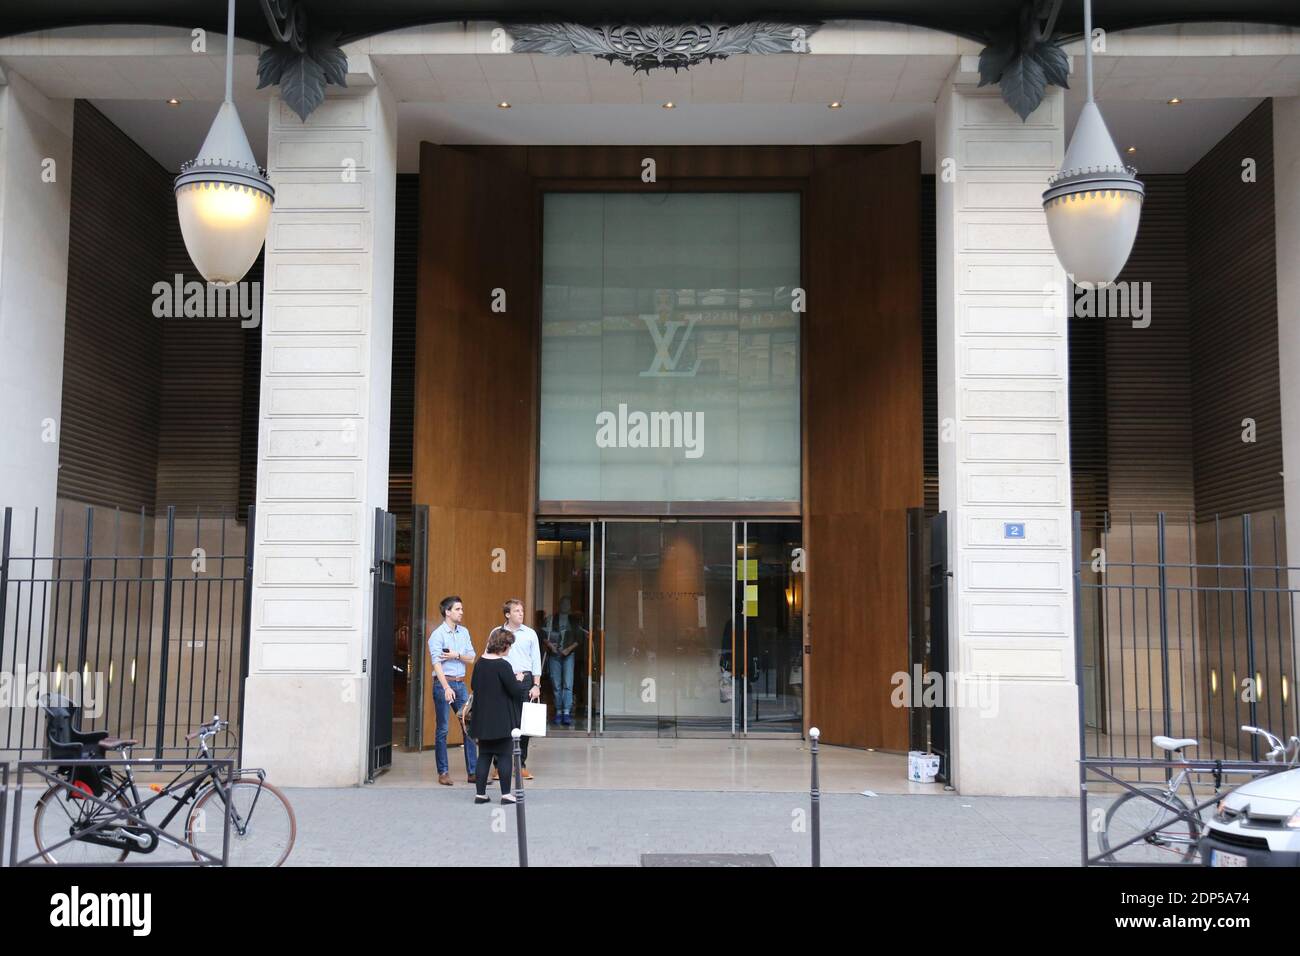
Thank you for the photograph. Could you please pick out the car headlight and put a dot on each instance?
(1293, 822)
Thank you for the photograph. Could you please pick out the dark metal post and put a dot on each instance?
(1247, 557)
(521, 825)
(918, 717)
(86, 570)
(814, 735)
(1165, 699)
(1078, 680)
(166, 629)
(245, 639)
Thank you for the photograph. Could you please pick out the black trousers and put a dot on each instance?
(501, 750)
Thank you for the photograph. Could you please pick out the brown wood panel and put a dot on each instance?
(597, 164)
(474, 382)
(863, 437)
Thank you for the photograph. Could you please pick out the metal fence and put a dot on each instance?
(142, 620)
(1186, 629)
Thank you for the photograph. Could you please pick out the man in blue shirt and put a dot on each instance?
(450, 650)
(525, 656)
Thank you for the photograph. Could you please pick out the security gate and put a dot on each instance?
(383, 612)
(141, 620)
(930, 727)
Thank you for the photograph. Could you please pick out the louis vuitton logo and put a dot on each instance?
(664, 364)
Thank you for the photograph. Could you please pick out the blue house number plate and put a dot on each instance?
(1013, 529)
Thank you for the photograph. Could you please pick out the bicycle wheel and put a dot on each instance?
(1173, 840)
(260, 810)
(58, 812)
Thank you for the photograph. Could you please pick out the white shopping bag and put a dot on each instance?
(533, 721)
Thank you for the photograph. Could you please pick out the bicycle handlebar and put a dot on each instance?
(209, 730)
(1277, 749)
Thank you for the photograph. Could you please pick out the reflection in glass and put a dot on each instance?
(667, 600)
(563, 579)
(676, 305)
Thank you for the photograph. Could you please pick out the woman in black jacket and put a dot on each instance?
(497, 696)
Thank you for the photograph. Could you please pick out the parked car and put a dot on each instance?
(1257, 824)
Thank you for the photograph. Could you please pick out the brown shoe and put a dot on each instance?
(470, 779)
(444, 779)
(525, 774)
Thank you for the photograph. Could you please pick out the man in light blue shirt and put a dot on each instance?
(525, 656)
(450, 650)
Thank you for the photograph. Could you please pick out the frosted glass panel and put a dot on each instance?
(670, 348)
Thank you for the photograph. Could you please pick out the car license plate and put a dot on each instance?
(1219, 858)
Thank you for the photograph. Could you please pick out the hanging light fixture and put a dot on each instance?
(223, 197)
(1094, 202)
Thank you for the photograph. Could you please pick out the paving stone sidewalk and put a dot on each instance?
(431, 827)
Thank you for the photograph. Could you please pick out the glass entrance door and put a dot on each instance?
(666, 604)
(662, 627)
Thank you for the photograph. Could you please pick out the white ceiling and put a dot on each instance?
(451, 98)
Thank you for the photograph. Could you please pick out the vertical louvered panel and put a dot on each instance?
(1148, 370)
(152, 407)
(403, 388)
(249, 417)
(108, 448)
(1088, 467)
(202, 398)
(1233, 275)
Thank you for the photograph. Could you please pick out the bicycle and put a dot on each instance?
(1175, 828)
(104, 834)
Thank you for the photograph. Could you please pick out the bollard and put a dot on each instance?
(521, 826)
(815, 735)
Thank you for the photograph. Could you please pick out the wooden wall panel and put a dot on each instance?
(863, 443)
(862, 380)
(474, 383)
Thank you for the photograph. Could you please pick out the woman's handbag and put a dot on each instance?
(464, 714)
(532, 721)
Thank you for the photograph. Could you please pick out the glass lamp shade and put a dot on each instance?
(224, 225)
(1093, 231)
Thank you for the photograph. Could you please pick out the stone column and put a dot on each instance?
(1004, 462)
(323, 439)
(35, 200)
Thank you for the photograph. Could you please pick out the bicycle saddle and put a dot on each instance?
(112, 743)
(1174, 743)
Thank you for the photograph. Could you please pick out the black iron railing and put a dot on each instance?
(1185, 629)
(142, 620)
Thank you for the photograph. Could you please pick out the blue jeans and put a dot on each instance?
(440, 708)
(560, 670)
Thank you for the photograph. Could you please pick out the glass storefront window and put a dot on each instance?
(670, 347)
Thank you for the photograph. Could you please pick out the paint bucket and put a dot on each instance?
(922, 767)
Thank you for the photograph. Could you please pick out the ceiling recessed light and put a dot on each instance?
(834, 106)
(670, 105)
(503, 105)
(1131, 149)
(1175, 101)
(173, 102)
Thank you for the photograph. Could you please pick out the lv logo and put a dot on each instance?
(664, 364)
